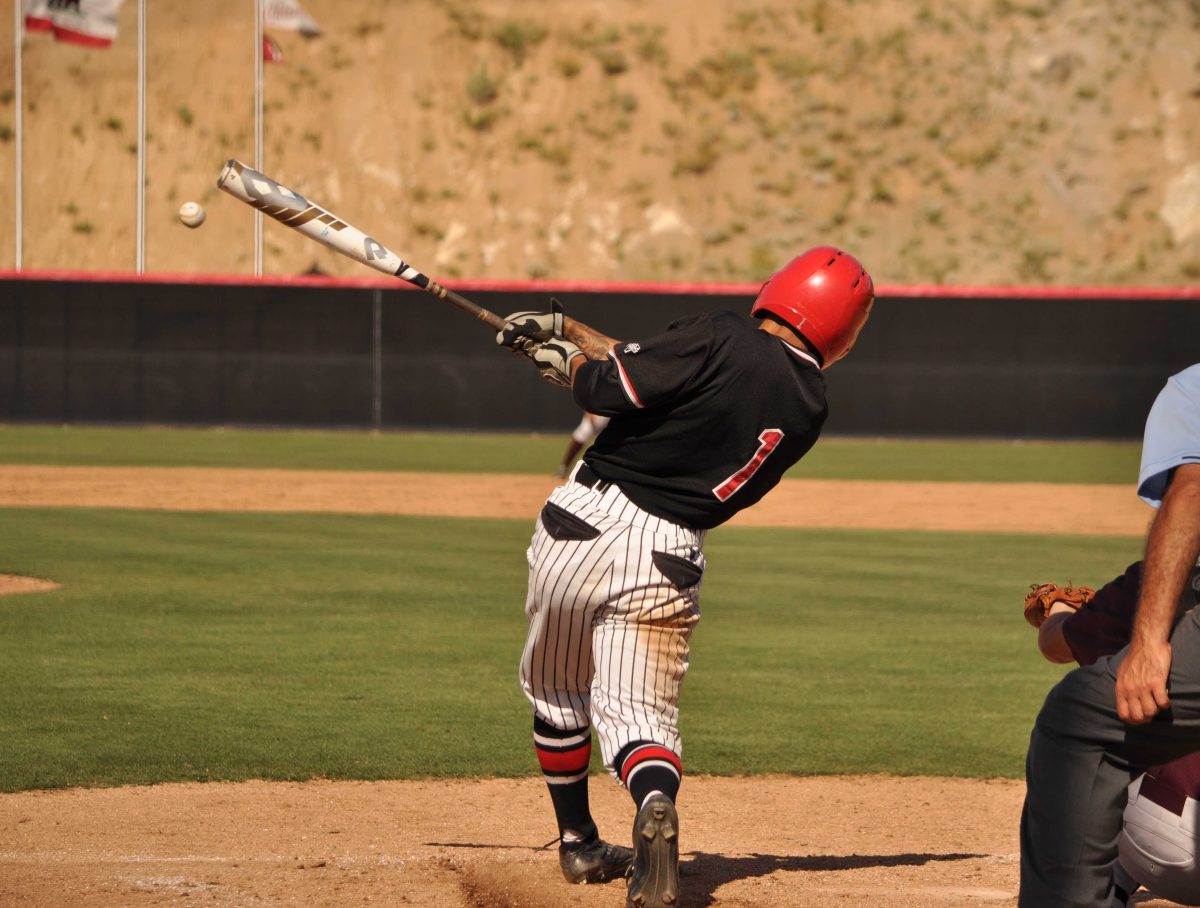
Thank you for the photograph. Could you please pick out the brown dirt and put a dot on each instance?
(1106, 510)
(860, 842)
(777, 842)
(10, 584)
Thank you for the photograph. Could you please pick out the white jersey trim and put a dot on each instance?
(626, 384)
(803, 354)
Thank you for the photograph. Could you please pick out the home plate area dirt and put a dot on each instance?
(859, 842)
(745, 842)
(776, 842)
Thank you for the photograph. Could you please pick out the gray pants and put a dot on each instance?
(1081, 759)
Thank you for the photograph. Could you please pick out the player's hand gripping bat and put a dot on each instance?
(293, 210)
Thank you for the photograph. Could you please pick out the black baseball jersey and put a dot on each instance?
(707, 416)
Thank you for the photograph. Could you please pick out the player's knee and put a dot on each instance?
(1078, 703)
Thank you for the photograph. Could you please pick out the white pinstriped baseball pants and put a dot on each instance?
(608, 630)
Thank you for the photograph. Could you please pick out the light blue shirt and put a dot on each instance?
(1172, 434)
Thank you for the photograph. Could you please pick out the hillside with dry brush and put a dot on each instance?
(979, 142)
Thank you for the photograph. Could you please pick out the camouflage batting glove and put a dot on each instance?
(522, 328)
(553, 360)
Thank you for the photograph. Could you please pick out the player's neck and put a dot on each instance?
(786, 334)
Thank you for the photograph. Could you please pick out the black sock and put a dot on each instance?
(564, 757)
(647, 767)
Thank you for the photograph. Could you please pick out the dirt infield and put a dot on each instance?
(861, 842)
(1104, 510)
(764, 842)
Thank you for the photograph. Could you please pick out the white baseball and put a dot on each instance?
(191, 214)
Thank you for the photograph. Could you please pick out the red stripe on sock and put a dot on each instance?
(576, 760)
(642, 754)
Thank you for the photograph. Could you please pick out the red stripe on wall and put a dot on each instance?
(599, 287)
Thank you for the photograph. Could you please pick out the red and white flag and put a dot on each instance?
(272, 53)
(92, 23)
(37, 16)
(289, 14)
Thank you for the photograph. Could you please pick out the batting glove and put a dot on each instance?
(523, 328)
(553, 360)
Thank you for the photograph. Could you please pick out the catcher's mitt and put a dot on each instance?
(1043, 596)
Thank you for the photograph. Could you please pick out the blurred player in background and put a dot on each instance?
(589, 427)
(1105, 721)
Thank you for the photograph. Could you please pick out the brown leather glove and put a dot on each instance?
(1044, 596)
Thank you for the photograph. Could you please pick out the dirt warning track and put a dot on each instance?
(1098, 510)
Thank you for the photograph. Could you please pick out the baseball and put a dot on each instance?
(191, 213)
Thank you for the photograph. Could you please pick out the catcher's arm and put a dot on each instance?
(1052, 642)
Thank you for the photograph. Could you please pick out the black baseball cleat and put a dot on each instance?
(654, 878)
(594, 862)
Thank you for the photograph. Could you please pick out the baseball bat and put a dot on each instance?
(294, 210)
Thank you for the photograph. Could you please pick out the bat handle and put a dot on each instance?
(491, 319)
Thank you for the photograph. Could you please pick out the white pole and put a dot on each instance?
(19, 213)
(258, 128)
(141, 142)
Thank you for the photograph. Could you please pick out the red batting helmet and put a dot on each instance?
(825, 295)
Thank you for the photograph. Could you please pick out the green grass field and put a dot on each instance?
(833, 458)
(233, 646)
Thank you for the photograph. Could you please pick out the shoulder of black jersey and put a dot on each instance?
(689, 321)
(725, 322)
(739, 318)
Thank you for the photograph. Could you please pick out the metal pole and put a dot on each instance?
(377, 359)
(140, 256)
(19, 193)
(258, 128)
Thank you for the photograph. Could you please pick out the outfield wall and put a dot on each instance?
(1040, 362)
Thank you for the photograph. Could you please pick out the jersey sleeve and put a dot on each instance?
(1103, 626)
(1172, 434)
(643, 374)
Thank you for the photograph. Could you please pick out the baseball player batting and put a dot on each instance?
(705, 419)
